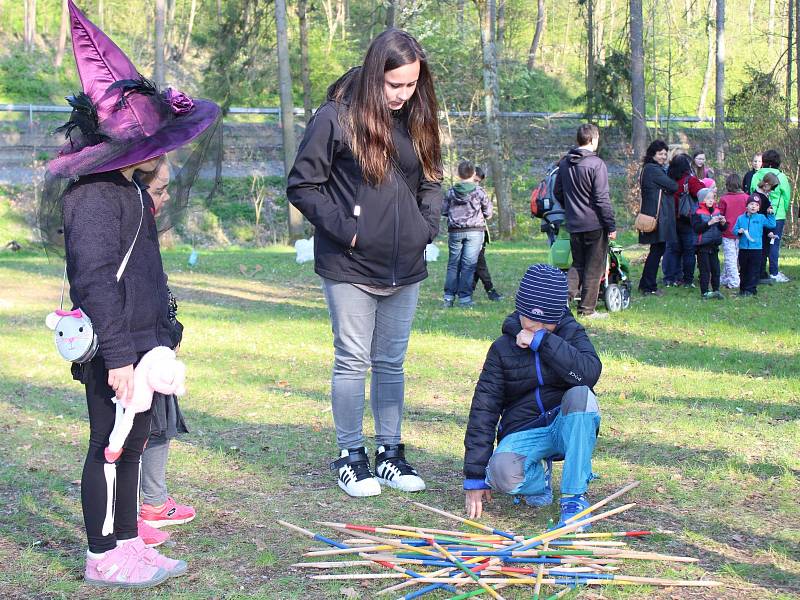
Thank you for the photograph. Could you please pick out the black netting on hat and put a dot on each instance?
(195, 171)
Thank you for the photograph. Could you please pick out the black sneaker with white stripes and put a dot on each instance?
(355, 476)
(393, 470)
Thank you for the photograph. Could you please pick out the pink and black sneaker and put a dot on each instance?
(169, 514)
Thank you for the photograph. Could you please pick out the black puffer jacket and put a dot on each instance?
(506, 390)
(101, 215)
(394, 221)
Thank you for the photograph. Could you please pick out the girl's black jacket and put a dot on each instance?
(101, 215)
(394, 220)
(506, 389)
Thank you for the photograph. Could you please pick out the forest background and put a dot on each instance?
(589, 57)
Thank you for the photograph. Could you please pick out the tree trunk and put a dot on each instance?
(590, 59)
(62, 33)
(391, 13)
(687, 12)
(789, 46)
(751, 14)
(304, 70)
(719, 100)
(600, 17)
(771, 25)
(797, 62)
(491, 90)
(287, 110)
(29, 25)
(639, 135)
(101, 14)
(460, 16)
(500, 36)
(701, 105)
(159, 76)
(170, 27)
(190, 26)
(537, 36)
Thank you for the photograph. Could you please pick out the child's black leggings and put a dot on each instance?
(93, 480)
(749, 264)
(708, 262)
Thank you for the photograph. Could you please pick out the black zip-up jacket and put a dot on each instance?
(394, 220)
(506, 389)
(101, 215)
(582, 189)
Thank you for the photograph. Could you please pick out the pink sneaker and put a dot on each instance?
(169, 514)
(151, 536)
(125, 568)
(173, 567)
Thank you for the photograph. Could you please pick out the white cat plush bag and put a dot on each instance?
(75, 338)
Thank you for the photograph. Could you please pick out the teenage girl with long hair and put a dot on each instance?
(368, 177)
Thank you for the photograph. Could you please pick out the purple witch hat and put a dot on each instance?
(121, 119)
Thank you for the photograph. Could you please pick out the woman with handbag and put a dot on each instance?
(121, 123)
(656, 219)
(679, 257)
(368, 177)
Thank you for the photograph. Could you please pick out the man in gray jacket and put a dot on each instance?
(582, 189)
(466, 207)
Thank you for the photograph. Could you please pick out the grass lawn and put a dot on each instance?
(700, 402)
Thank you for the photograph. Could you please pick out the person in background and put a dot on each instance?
(708, 225)
(748, 177)
(781, 198)
(679, 257)
(481, 268)
(466, 206)
(657, 190)
(750, 227)
(732, 204)
(700, 168)
(582, 189)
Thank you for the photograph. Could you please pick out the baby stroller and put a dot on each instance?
(615, 286)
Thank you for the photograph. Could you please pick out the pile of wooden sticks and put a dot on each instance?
(463, 564)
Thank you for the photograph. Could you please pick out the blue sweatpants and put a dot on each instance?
(517, 466)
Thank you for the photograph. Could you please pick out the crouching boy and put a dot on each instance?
(535, 397)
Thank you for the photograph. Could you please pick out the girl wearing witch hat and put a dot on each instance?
(120, 124)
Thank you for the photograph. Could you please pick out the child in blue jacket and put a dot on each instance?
(708, 224)
(750, 228)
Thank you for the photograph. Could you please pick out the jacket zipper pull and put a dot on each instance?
(357, 210)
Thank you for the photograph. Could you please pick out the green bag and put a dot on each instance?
(561, 253)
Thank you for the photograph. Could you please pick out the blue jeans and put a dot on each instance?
(517, 468)
(369, 331)
(464, 248)
(679, 259)
(775, 249)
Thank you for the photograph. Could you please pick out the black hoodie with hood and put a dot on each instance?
(582, 189)
(393, 220)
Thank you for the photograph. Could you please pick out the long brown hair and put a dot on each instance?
(368, 120)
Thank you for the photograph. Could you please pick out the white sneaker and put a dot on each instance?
(780, 278)
(355, 476)
(393, 470)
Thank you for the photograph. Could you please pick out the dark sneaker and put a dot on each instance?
(689, 285)
(447, 303)
(708, 296)
(719, 295)
(571, 506)
(494, 295)
(393, 470)
(765, 281)
(466, 303)
(355, 476)
(655, 292)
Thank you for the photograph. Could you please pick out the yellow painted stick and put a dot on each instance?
(449, 556)
(602, 502)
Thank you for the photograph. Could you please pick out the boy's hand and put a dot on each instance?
(474, 502)
(741, 231)
(524, 338)
(770, 210)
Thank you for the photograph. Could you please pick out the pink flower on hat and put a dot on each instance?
(179, 102)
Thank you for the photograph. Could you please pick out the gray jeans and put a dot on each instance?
(154, 470)
(369, 331)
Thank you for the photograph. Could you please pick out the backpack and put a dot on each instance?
(543, 198)
(686, 204)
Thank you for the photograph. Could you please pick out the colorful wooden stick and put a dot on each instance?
(602, 502)
(538, 586)
(474, 524)
(401, 532)
(470, 573)
(312, 535)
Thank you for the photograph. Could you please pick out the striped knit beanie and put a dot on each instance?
(542, 294)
